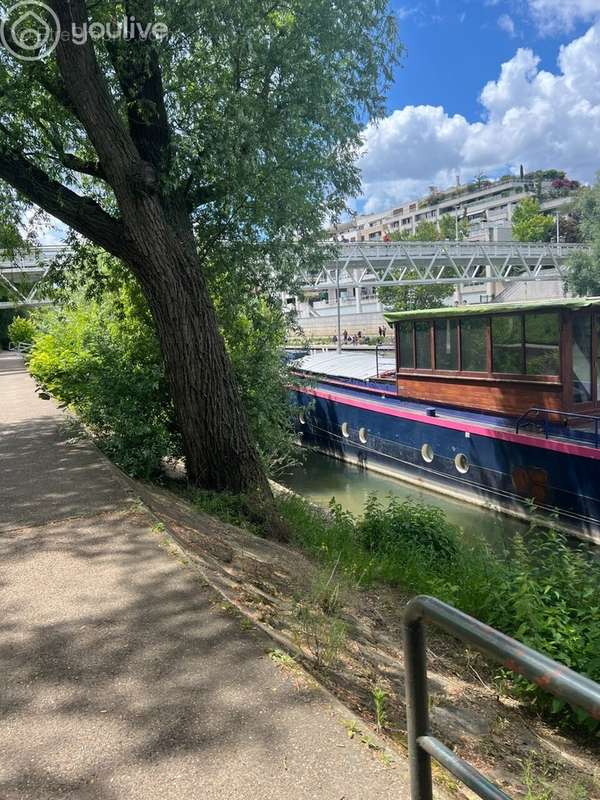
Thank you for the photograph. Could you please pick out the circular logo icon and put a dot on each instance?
(29, 30)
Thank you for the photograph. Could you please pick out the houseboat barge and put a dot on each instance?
(497, 405)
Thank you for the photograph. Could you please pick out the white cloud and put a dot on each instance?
(556, 15)
(408, 150)
(506, 24)
(534, 117)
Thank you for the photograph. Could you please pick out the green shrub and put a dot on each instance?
(21, 330)
(101, 358)
(401, 523)
(552, 604)
(234, 509)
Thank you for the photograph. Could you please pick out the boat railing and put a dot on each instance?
(382, 348)
(542, 417)
(556, 679)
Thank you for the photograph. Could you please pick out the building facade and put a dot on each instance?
(487, 208)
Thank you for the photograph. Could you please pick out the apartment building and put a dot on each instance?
(487, 206)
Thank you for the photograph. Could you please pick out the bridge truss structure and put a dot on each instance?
(22, 276)
(364, 264)
(355, 265)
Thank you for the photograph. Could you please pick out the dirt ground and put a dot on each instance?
(280, 589)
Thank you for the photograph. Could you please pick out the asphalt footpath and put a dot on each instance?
(122, 676)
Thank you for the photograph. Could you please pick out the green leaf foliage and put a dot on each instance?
(265, 105)
(100, 357)
(21, 330)
(529, 224)
(584, 272)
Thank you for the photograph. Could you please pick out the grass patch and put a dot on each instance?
(545, 592)
(234, 509)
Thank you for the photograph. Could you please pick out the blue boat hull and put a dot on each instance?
(480, 463)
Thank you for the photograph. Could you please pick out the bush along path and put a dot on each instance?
(338, 620)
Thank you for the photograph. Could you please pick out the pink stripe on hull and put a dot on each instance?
(466, 427)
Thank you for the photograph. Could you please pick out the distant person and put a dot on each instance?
(345, 336)
(334, 339)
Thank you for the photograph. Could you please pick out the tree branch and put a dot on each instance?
(138, 70)
(90, 96)
(91, 168)
(80, 213)
(70, 160)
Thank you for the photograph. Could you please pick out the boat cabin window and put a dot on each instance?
(522, 345)
(473, 344)
(582, 358)
(446, 344)
(542, 344)
(526, 344)
(423, 344)
(407, 345)
(507, 345)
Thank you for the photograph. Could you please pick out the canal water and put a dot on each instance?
(320, 477)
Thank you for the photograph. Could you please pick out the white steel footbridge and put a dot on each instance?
(354, 265)
(431, 263)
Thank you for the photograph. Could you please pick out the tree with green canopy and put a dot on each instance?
(449, 225)
(584, 272)
(529, 224)
(223, 147)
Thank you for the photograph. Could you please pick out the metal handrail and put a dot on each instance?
(20, 347)
(553, 677)
(566, 415)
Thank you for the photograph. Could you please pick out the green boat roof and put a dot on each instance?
(572, 304)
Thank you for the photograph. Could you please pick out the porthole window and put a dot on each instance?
(302, 417)
(461, 462)
(427, 453)
(345, 430)
(363, 436)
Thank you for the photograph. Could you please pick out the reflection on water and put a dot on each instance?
(320, 478)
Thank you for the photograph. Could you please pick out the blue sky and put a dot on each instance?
(454, 47)
(453, 99)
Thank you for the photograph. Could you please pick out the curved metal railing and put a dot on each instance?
(555, 678)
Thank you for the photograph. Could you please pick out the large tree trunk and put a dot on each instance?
(219, 452)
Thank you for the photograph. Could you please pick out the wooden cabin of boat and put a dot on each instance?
(504, 357)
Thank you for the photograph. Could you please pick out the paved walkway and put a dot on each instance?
(120, 675)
